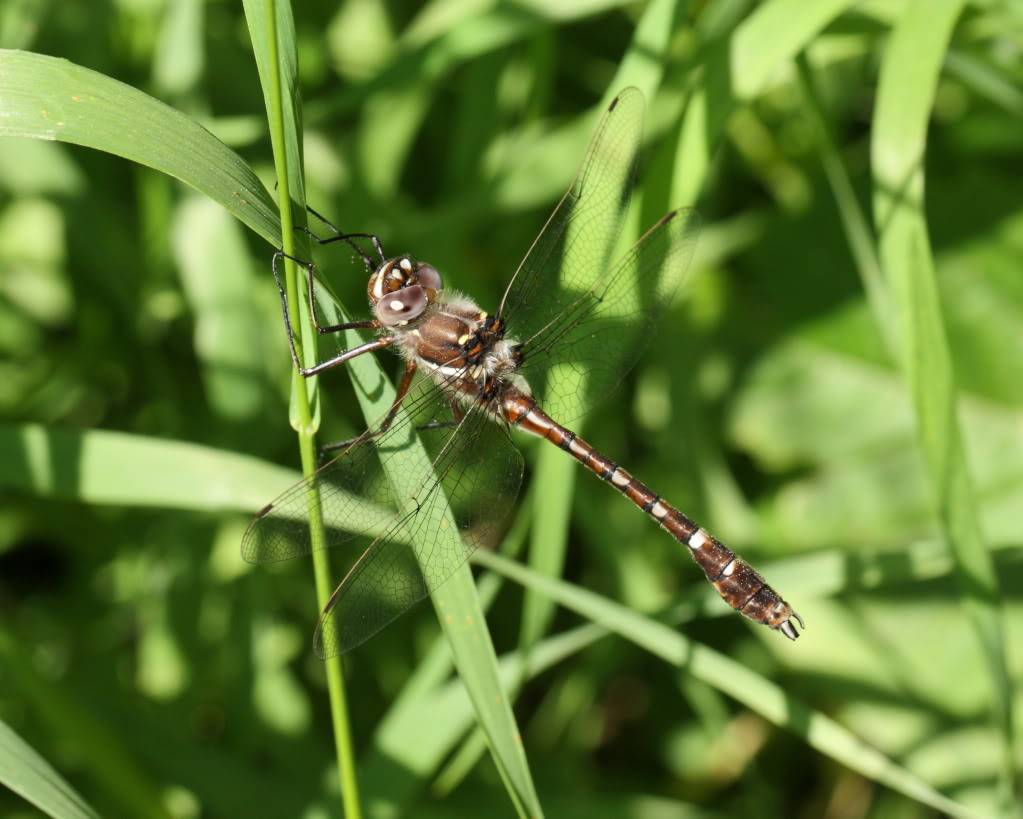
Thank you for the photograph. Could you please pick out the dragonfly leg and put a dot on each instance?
(436, 425)
(347, 355)
(457, 412)
(340, 236)
(341, 358)
(402, 392)
(361, 324)
(334, 446)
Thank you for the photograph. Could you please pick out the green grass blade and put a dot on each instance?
(554, 480)
(116, 468)
(738, 69)
(121, 776)
(272, 31)
(908, 81)
(49, 98)
(397, 742)
(422, 736)
(178, 56)
(119, 469)
(34, 779)
(458, 605)
(986, 80)
(727, 675)
(462, 618)
(643, 63)
(221, 286)
(854, 221)
(641, 66)
(771, 36)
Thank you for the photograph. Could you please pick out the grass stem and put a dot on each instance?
(306, 340)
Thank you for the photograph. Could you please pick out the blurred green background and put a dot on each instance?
(164, 677)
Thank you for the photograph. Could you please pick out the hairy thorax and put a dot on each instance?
(462, 347)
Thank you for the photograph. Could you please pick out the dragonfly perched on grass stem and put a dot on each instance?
(570, 325)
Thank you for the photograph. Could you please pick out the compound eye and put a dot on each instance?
(429, 277)
(402, 305)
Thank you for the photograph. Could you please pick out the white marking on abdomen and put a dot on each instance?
(620, 477)
(576, 448)
(698, 539)
(727, 571)
(659, 510)
(536, 418)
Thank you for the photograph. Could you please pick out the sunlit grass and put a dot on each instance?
(837, 394)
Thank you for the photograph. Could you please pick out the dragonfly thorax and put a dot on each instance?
(401, 289)
(457, 341)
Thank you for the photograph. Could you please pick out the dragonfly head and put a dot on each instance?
(401, 289)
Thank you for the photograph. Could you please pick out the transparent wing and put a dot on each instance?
(381, 485)
(349, 492)
(476, 474)
(582, 322)
(574, 247)
(584, 353)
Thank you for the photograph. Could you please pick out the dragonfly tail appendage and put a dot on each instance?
(738, 583)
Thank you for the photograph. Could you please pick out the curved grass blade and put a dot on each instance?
(854, 221)
(751, 689)
(272, 32)
(738, 69)
(908, 82)
(33, 778)
(461, 615)
(101, 454)
(121, 776)
(117, 468)
(48, 98)
(398, 740)
(410, 745)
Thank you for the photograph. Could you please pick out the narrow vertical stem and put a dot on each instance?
(857, 227)
(306, 340)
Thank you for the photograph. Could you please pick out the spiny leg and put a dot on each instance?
(402, 392)
(341, 358)
(340, 236)
(457, 413)
(361, 324)
(403, 389)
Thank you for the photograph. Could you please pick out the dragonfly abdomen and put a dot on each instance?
(738, 583)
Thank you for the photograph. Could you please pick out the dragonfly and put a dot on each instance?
(436, 477)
